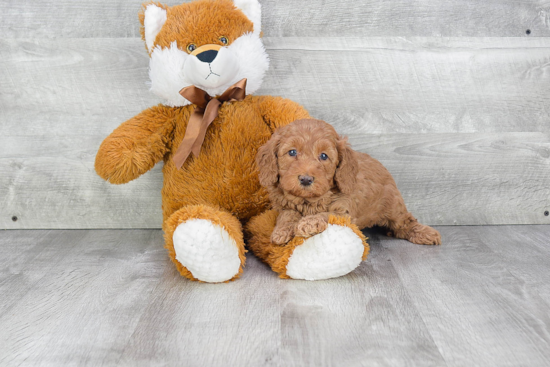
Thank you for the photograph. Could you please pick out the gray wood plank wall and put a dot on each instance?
(453, 97)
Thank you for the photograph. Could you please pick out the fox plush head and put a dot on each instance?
(211, 44)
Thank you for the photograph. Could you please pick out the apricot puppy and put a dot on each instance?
(311, 172)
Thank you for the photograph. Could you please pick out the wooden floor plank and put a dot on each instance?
(106, 297)
(86, 305)
(17, 250)
(198, 324)
(528, 263)
(355, 320)
(478, 311)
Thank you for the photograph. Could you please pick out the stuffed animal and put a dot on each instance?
(206, 58)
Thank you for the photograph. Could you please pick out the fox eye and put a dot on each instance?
(224, 40)
(191, 47)
(292, 153)
(323, 157)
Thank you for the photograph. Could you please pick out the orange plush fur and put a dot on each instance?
(277, 257)
(312, 173)
(220, 184)
(218, 19)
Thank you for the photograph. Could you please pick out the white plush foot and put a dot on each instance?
(330, 254)
(206, 250)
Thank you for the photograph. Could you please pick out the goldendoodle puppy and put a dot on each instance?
(311, 172)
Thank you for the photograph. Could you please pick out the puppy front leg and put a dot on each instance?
(286, 227)
(311, 225)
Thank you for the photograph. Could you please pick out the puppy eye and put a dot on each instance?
(224, 40)
(292, 153)
(191, 47)
(323, 157)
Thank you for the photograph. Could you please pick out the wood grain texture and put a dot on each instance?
(302, 18)
(199, 324)
(60, 98)
(378, 85)
(444, 179)
(16, 278)
(467, 293)
(374, 85)
(529, 263)
(84, 293)
(71, 87)
(467, 178)
(366, 313)
(112, 297)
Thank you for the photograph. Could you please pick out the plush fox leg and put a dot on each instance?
(205, 243)
(330, 254)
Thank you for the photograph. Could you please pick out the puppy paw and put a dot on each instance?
(311, 225)
(281, 235)
(424, 235)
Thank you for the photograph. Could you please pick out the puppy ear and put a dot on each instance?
(348, 167)
(266, 159)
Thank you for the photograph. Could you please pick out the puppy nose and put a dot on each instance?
(305, 180)
(207, 56)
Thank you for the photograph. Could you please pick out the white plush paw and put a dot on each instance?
(330, 254)
(206, 250)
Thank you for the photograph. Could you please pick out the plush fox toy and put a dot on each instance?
(206, 58)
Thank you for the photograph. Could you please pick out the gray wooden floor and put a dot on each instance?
(106, 297)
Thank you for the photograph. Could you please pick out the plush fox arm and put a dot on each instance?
(277, 111)
(135, 146)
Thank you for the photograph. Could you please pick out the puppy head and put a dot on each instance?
(307, 158)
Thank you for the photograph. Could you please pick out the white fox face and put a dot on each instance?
(211, 67)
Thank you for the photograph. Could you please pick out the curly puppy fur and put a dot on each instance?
(310, 172)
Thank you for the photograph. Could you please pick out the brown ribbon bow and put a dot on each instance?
(205, 112)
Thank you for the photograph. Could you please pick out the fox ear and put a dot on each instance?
(152, 18)
(253, 10)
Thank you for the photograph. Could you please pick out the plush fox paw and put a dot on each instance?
(206, 250)
(336, 251)
(205, 244)
(330, 254)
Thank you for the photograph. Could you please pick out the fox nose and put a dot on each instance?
(207, 56)
(305, 180)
